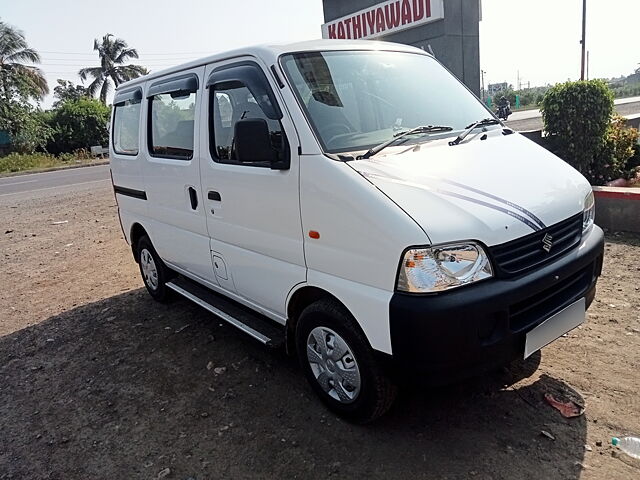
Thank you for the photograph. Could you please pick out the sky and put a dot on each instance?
(538, 38)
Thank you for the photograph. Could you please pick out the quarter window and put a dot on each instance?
(126, 127)
(172, 125)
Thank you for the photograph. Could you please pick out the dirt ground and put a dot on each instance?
(97, 381)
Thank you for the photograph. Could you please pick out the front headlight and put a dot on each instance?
(588, 212)
(443, 267)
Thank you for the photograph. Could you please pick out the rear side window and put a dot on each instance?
(126, 127)
(171, 126)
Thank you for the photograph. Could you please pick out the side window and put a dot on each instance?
(126, 127)
(234, 99)
(171, 128)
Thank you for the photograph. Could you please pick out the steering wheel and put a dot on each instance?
(333, 130)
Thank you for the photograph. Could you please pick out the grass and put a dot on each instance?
(16, 162)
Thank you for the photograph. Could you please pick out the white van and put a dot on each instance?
(355, 203)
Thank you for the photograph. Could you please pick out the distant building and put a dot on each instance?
(497, 87)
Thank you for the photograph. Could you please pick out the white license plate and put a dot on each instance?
(555, 326)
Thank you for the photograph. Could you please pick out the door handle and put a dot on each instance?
(214, 196)
(193, 197)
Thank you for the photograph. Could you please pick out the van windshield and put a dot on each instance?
(357, 99)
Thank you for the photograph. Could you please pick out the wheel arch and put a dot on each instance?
(136, 233)
(299, 299)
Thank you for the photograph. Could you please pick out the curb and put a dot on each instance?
(623, 193)
(53, 169)
(618, 208)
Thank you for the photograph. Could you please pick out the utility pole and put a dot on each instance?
(583, 41)
(482, 72)
(587, 64)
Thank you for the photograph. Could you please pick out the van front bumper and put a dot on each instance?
(448, 336)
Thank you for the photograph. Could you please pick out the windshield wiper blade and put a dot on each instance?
(422, 129)
(470, 128)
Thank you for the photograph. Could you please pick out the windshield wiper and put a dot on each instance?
(422, 129)
(470, 128)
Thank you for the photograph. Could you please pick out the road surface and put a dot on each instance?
(51, 183)
(532, 119)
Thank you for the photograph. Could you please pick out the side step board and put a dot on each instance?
(263, 329)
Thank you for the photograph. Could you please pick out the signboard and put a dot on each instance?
(385, 18)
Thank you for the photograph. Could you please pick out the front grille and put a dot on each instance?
(549, 301)
(525, 253)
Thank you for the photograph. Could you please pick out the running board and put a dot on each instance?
(261, 328)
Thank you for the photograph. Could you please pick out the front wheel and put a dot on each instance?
(340, 365)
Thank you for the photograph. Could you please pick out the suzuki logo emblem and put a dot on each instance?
(547, 242)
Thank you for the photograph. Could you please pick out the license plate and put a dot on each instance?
(555, 326)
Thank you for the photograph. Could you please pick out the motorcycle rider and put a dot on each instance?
(504, 107)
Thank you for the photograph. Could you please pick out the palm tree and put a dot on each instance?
(113, 53)
(15, 77)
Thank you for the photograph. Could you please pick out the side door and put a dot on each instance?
(177, 221)
(253, 208)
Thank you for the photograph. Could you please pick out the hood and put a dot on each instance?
(493, 190)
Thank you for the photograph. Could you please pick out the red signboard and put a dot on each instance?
(385, 18)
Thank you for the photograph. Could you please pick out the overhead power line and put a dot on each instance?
(153, 60)
(87, 65)
(139, 53)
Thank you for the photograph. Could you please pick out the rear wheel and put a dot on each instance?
(340, 365)
(154, 272)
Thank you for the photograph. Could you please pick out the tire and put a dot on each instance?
(155, 274)
(334, 378)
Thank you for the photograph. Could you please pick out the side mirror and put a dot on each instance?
(253, 144)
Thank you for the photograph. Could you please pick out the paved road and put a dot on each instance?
(532, 120)
(51, 183)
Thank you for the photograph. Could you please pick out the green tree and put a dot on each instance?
(67, 91)
(20, 83)
(509, 94)
(113, 53)
(16, 78)
(78, 124)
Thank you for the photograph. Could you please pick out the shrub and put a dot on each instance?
(16, 162)
(66, 157)
(576, 116)
(618, 149)
(26, 126)
(633, 165)
(82, 154)
(78, 124)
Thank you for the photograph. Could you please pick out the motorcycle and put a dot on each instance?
(504, 111)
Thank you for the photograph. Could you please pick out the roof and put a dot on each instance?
(270, 54)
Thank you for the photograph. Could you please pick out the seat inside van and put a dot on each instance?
(181, 137)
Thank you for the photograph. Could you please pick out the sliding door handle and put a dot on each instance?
(193, 197)
(214, 196)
